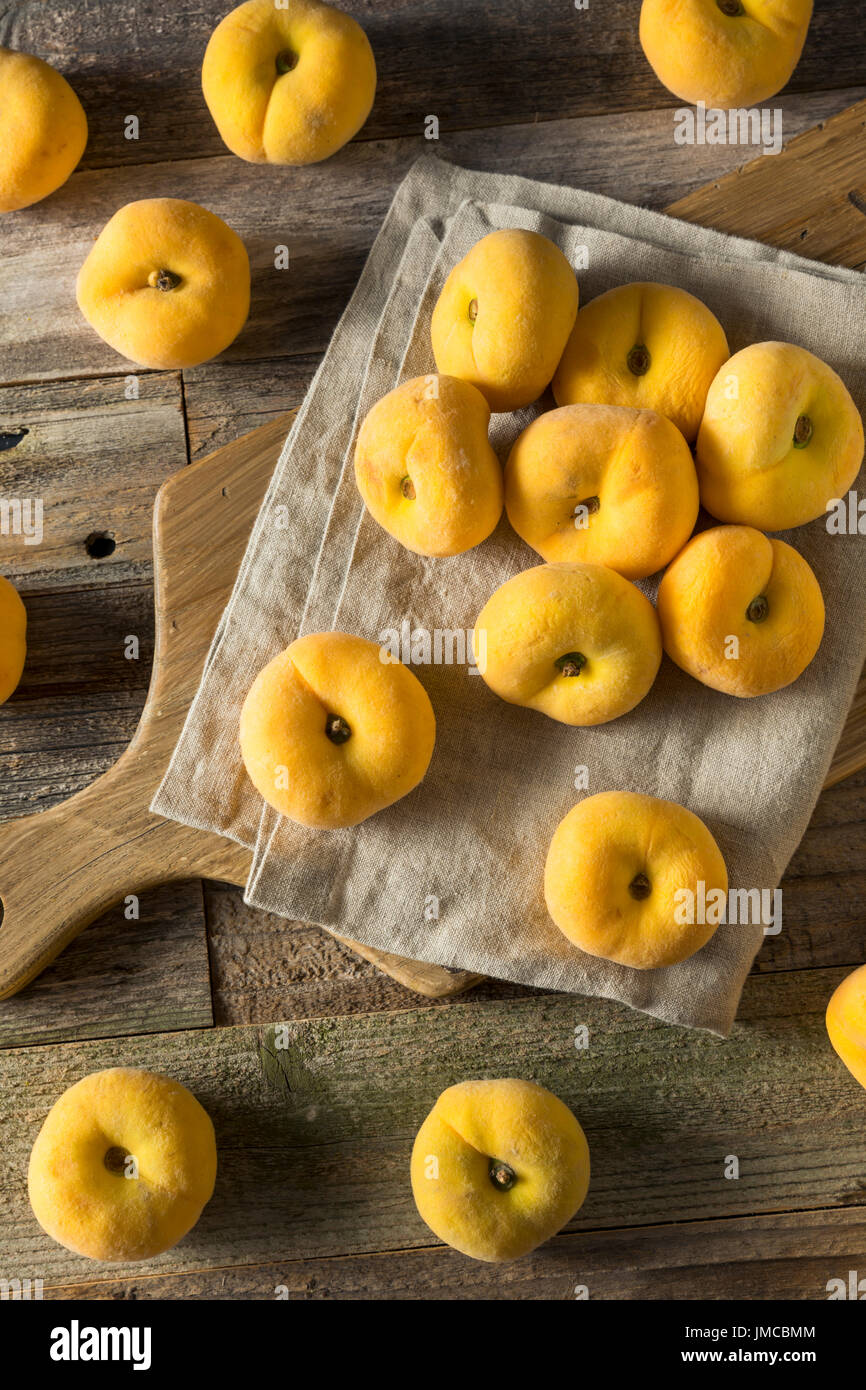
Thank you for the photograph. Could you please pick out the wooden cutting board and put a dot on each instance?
(62, 868)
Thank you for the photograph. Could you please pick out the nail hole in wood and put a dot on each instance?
(9, 438)
(99, 545)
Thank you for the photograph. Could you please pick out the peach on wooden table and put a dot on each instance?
(725, 53)
(166, 283)
(123, 1165)
(498, 1167)
(846, 1022)
(288, 82)
(13, 638)
(43, 130)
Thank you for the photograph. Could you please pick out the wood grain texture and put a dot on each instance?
(494, 63)
(95, 458)
(79, 699)
(224, 401)
(314, 1136)
(817, 209)
(782, 1256)
(70, 719)
(123, 975)
(327, 214)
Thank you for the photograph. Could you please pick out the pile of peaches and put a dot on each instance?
(604, 487)
(606, 490)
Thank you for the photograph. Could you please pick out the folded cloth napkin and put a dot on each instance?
(453, 873)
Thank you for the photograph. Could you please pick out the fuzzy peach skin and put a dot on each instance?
(846, 1022)
(13, 638)
(504, 315)
(166, 284)
(43, 130)
(123, 1166)
(425, 468)
(724, 52)
(615, 865)
(741, 612)
(648, 346)
(576, 642)
(331, 733)
(605, 484)
(498, 1167)
(781, 438)
(288, 84)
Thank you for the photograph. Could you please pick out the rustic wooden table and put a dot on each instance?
(313, 1191)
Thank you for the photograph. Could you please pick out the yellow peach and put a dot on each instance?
(781, 438)
(724, 52)
(334, 730)
(604, 484)
(123, 1166)
(741, 612)
(166, 284)
(576, 642)
(13, 638)
(43, 130)
(425, 468)
(648, 346)
(498, 1167)
(504, 315)
(618, 872)
(846, 1022)
(288, 83)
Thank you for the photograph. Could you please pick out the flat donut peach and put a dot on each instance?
(332, 730)
(123, 1165)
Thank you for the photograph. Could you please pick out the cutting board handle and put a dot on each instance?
(62, 868)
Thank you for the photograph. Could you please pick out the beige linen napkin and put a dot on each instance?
(453, 873)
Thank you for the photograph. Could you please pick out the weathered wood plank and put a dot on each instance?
(314, 1138)
(224, 400)
(847, 756)
(479, 64)
(69, 720)
(326, 214)
(94, 455)
(79, 699)
(824, 886)
(264, 967)
(121, 976)
(755, 1258)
